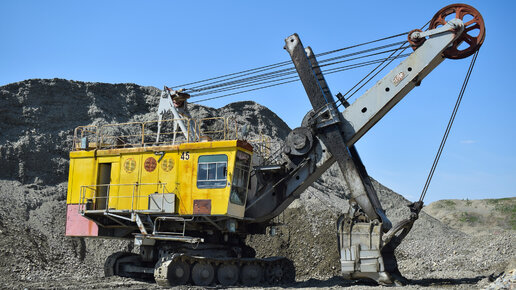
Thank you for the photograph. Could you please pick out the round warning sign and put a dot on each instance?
(129, 165)
(167, 164)
(150, 164)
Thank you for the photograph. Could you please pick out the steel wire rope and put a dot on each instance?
(219, 84)
(339, 69)
(290, 70)
(279, 64)
(374, 75)
(295, 80)
(448, 128)
(277, 76)
(390, 58)
(423, 27)
(279, 73)
(328, 71)
(236, 84)
(361, 44)
(360, 52)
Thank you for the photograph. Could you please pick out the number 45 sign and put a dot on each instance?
(185, 155)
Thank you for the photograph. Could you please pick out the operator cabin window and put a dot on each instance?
(212, 171)
(240, 178)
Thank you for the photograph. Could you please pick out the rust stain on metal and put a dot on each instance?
(150, 164)
(244, 144)
(202, 206)
(415, 43)
(476, 24)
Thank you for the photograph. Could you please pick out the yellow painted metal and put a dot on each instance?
(129, 177)
(138, 172)
(83, 171)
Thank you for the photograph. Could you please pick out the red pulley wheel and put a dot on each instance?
(473, 43)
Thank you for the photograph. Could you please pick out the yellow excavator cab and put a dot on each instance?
(110, 181)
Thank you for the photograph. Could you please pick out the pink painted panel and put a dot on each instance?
(77, 225)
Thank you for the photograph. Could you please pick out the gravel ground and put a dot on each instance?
(37, 118)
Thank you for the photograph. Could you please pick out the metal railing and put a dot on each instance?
(100, 197)
(139, 134)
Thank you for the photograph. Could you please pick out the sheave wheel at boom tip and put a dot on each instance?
(471, 27)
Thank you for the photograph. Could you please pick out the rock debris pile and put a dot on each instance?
(37, 119)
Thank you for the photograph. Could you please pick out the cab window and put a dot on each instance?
(240, 178)
(212, 171)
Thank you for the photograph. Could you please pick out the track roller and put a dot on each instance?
(172, 271)
(228, 274)
(252, 274)
(115, 262)
(182, 269)
(203, 273)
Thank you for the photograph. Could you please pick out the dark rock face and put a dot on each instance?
(37, 119)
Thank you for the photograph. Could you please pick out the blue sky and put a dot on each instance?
(160, 43)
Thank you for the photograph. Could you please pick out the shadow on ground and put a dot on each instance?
(446, 281)
(341, 282)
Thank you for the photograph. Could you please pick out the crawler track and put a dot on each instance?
(180, 269)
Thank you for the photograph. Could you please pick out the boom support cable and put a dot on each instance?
(448, 128)
(277, 77)
(279, 64)
(279, 73)
(372, 71)
(290, 70)
(294, 78)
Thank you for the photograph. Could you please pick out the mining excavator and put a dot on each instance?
(189, 191)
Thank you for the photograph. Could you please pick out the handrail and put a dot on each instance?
(135, 194)
(140, 134)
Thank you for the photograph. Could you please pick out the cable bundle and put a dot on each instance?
(284, 72)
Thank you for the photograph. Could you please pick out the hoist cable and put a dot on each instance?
(361, 44)
(279, 64)
(360, 52)
(238, 79)
(260, 80)
(241, 72)
(218, 97)
(357, 84)
(249, 80)
(339, 69)
(329, 71)
(374, 75)
(448, 127)
(219, 84)
(245, 85)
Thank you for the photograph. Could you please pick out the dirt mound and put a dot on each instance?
(37, 119)
(476, 216)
